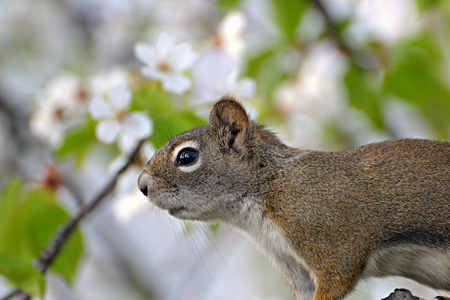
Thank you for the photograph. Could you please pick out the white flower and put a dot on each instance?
(315, 96)
(216, 74)
(230, 33)
(386, 21)
(166, 62)
(116, 122)
(60, 106)
(130, 201)
(101, 83)
(147, 152)
(241, 88)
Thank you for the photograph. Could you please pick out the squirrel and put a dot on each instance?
(326, 219)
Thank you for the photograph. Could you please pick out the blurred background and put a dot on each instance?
(81, 81)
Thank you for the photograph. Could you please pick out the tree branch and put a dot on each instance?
(13, 293)
(49, 254)
(362, 60)
(332, 28)
(53, 249)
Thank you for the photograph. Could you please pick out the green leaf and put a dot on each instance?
(172, 123)
(11, 222)
(364, 93)
(255, 64)
(23, 275)
(267, 70)
(33, 218)
(336, 140)
(229, 4)
(214, 228)
(427, 4)
(167, 120)
(66, 264)
(416, 77)
(288, 14)
(10, 198)
(189, 228)
(152, 98)
(446, 9)
(78, 142)
(42, 223)
(342, 26)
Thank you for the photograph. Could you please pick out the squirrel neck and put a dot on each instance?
(246, 210)
(274, 156)
(248, 215)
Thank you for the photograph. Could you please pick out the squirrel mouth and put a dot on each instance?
(176, 211)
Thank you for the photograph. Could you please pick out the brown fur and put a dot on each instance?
(330, 214)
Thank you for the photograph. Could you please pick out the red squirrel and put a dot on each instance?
(326, 219)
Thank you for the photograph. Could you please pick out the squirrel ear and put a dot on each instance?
(229, 112)
(229, 118)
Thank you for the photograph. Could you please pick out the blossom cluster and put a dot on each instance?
(110, 73)
(67, 102)
(202, 76)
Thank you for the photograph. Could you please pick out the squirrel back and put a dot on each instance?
(327, 219)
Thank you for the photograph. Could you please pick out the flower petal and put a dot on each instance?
(98, 108)
(211, 72)
(245, 88)
(120, 96)
(228, 85)
(148, 150)
(107, 131)
(145, 53)
(117, 164)
(47, 128)
(231, 33)
(182, 57)
(152, 73)
(176, 83)
(126, 142)
(164, 43)
(101, 83)
(137, 125)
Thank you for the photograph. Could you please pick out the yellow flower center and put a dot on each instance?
(58, 112)
(121, 114)
(164, 66)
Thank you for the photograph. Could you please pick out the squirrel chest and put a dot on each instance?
(327, 219)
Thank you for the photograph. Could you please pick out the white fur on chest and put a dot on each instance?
(271, 241)
(262, 230)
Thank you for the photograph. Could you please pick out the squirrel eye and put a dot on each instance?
(187, 157)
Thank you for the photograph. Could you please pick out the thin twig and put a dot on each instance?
(332, 28)
(53, 249)
(73, 188)
(362, 60)
(13, 293)
(49, 254)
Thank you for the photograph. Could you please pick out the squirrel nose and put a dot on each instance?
(144, 190)
(143, 183)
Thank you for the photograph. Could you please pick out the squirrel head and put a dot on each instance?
(205, 173)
